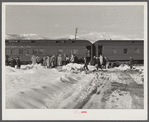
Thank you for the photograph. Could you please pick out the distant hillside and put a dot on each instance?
(24, 36)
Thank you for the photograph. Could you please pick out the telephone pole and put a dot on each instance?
(76, 33)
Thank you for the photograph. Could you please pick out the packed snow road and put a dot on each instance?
(40, 88)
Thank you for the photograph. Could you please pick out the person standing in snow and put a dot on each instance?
(6, 61)
(72, 59)
(33, 59)
(94, 61)
(18, 63)
(37, 59)
(88, 55)
(131, 62)
(44, 61)
(97, 63)
(67, 59)
(52, 61)
(101, 61)
(85, 64)
(12, 62)
(64, 60)
(48, 62)
(59, 60)
(107, 62)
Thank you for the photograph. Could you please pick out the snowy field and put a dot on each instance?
(69, 87)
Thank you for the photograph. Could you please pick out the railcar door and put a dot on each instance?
(100, 50)
(88, 53)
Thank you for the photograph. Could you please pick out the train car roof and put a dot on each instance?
(118, 41)
(50, 41)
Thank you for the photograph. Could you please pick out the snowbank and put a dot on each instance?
(122, 67)
(76, 67)
(31, 66)
(72, 66)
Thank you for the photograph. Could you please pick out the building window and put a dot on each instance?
(21, 51)
(41, 51)
(125, 51)
(35, 51)
(137, 51)
(114, 51)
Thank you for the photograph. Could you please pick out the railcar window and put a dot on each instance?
(32, 41)
(8, 51)
(41, 51)
(64, 41)
(57, 41)
(114, 51)
(125, 51)
(21, 51)
(137, 51)
(60, 51)
(26, 51)
(35, 51)
(75, 51)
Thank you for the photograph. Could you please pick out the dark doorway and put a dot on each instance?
(100, 50)
(94, 51)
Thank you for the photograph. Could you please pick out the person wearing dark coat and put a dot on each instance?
(6, 61)
(55, 60)
(12, 62)
(131, 62)
(67, 59)
(94, 61)
(64, 59)
(37, 60)
(44, 61)
(97, 63)
(85, 64)
(18, 63)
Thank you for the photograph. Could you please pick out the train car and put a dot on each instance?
(120, 50)
(24, 49)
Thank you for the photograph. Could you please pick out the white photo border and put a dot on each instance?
(68, 114)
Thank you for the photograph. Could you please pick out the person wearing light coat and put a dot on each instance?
(33, 59)
(59, 60)
(48, 62)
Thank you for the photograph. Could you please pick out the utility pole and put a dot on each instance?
(76, 33)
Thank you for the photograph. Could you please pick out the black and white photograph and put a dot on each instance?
(74, 61)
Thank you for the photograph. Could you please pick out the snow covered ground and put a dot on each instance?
(67, 87)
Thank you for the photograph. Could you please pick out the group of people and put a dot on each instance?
(53, 61)
(99, 62)
(48, 62)
(15, 62)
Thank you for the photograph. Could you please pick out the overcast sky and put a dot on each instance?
(60, 21)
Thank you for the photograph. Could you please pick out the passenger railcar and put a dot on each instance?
(24, 49)
(120, 50)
